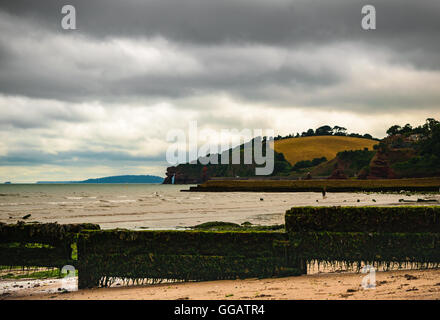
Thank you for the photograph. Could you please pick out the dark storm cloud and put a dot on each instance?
(241, 85)
(77, 68)
(235, 20)
(407, 29)
(200, 21)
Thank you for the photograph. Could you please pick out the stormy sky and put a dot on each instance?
(100, 100)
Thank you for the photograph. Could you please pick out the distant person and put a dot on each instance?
(323, 193)
(204, 174)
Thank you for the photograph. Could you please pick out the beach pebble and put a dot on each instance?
(410, 277)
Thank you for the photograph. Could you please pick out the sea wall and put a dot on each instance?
(385, 185)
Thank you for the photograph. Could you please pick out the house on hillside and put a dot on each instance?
(416, 137)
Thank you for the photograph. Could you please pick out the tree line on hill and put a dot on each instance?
(427, 129)
(326, 130)
(308, 163)
(424, 140)
(407, 152)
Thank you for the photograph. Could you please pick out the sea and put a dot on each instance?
(158, 207)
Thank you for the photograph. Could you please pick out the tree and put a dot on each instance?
(324, 131)
(339, 131)
(394, 130)
(430, 125)
(431, 145)
(309, 133)
(407, 129)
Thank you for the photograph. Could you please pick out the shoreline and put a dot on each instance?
(398, 284)
(144, 207)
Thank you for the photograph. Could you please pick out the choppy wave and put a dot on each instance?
(121, 201)
(160, 206)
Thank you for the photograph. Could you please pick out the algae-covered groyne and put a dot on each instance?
(380, 185)
(377, 236)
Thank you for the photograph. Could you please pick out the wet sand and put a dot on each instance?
(401, 284)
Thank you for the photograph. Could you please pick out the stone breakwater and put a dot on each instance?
(383, 185)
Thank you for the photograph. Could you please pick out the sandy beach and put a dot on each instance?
(401, 284)
(165, 207)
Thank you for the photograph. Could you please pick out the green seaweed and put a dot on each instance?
(246, 226)
(181, 255)
(364, 219)
(39, 245)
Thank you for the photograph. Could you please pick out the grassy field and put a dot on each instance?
(421, 184)
(308, 148)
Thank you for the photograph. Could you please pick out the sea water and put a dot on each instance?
(156, 206)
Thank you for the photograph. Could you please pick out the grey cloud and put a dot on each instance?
(38, 114)
(34, 157)
(241, 85)
(94, 73)
(407, 30)
(274, 22)
(187, 55)
(235, 20)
